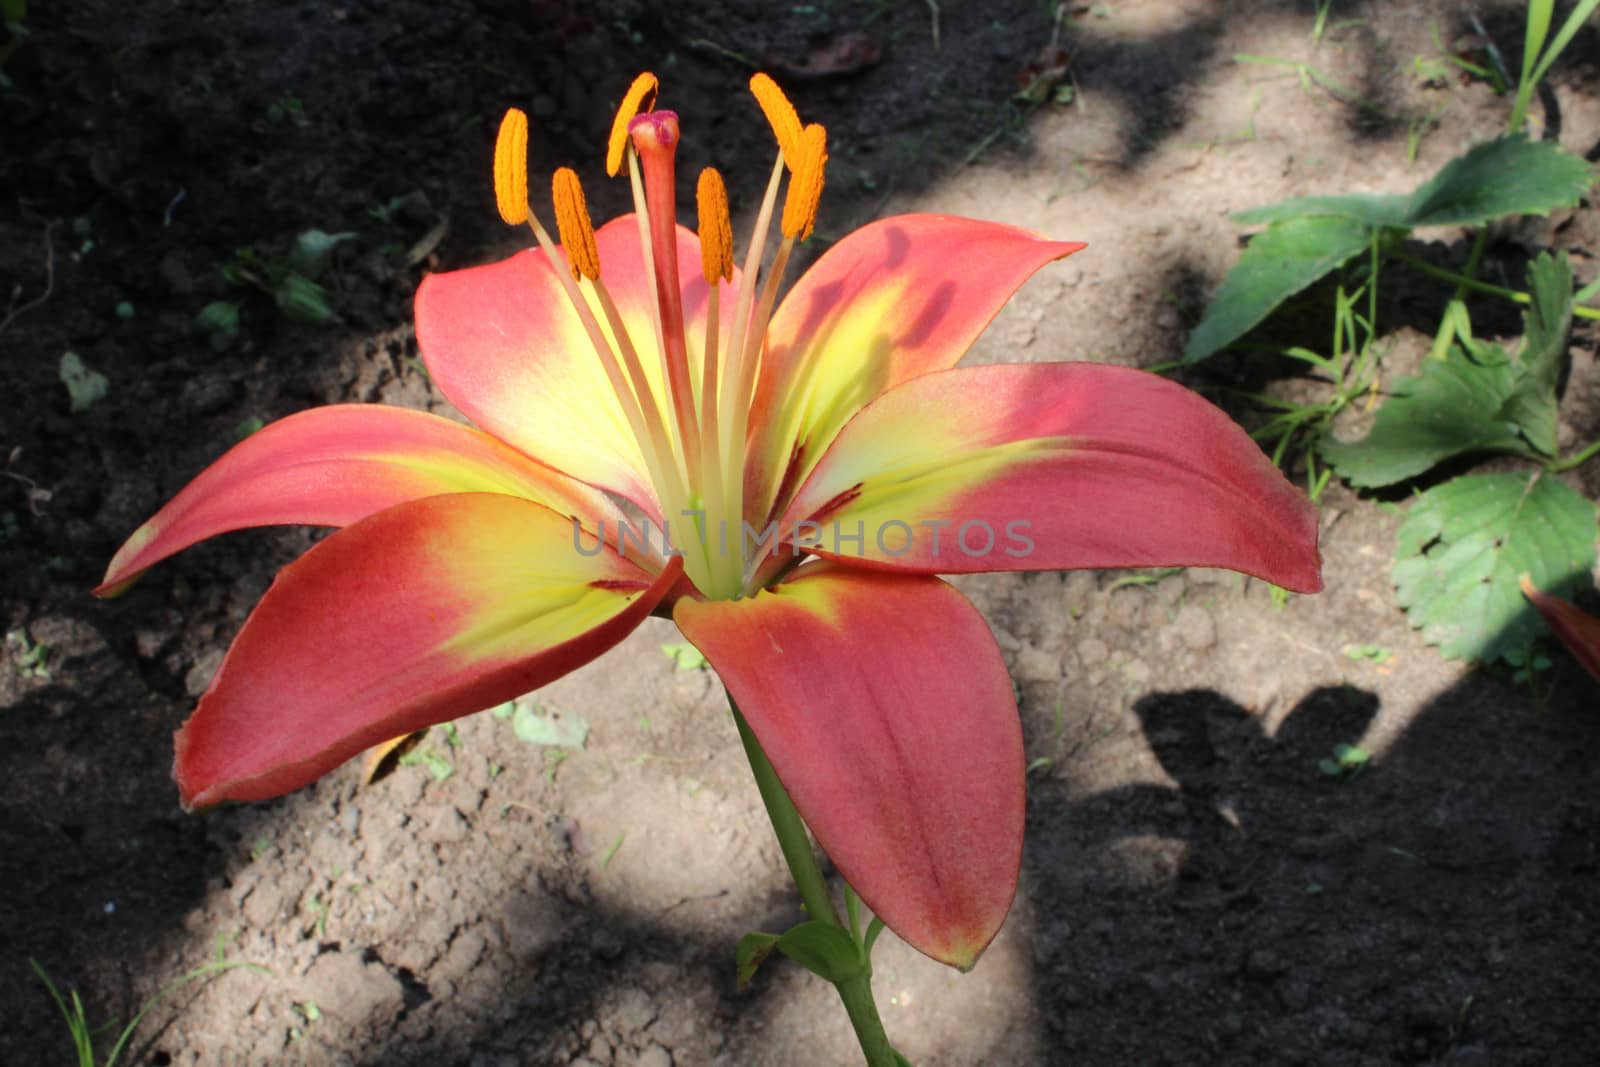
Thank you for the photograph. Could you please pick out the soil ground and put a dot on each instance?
(1194, 889)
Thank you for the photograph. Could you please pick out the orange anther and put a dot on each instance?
(805, 184)
(781, 117)
(641, 96)
(716, 229)
(572, 222)
(511, 168)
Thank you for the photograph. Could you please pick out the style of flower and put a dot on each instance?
(782, 480)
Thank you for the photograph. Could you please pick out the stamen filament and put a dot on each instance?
(661, 438)
(663, 474)
(733, 404)
(641, 212)
(751, 359)
(716, 264)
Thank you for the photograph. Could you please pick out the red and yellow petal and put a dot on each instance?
(1573, 626)
(893, 300)
(333, 466)
(1054, 466)
(421, 613)
(505, 345)
(886, 710)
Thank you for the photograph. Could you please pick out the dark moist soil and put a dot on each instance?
(1194, 889)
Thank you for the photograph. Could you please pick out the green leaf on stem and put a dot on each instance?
(824, 949)
(1477, 399)
(1374, 209)
(1279, 263)
(1309, 236)
(1454, 406)
(1464, 545)
(1545, 326)
(753, 950)
(1510, 176)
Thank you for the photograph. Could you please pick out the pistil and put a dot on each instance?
(655, 139)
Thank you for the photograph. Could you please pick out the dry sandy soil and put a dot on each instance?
(1194, 889)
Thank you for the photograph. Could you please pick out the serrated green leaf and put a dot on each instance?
(1454, 406)
(85, 387)
(1545, 325)
(1281, 261)
(823, 949)
(1510, 176)
(1462, 547)
(1376, 210)
(753, 950)
(563, 729)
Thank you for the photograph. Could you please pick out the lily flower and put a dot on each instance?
(656, 433)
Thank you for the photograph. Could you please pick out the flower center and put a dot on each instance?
(694, 435)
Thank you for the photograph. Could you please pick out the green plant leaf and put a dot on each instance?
(563, 729)
(1311, 235)
(437, 764)
(1545, 325)
(303, 300)
(313, 248)
(1510, 176)
(823, 949)
(1281, 261)
(1454, 406)
(219, 321)
(1461, 549)
(685, 656)
(85, 387)
(1374, 209)
(753, 950)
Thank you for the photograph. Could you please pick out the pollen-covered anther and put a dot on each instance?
(511, 168)
(572, 222)
(805, 184)
(641, 96)
(716, 229)
(781, 117)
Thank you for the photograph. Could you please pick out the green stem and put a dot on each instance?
(796, 845)
(863, 1011)
(1576, 460)
(786, 823)
(1464, 282)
